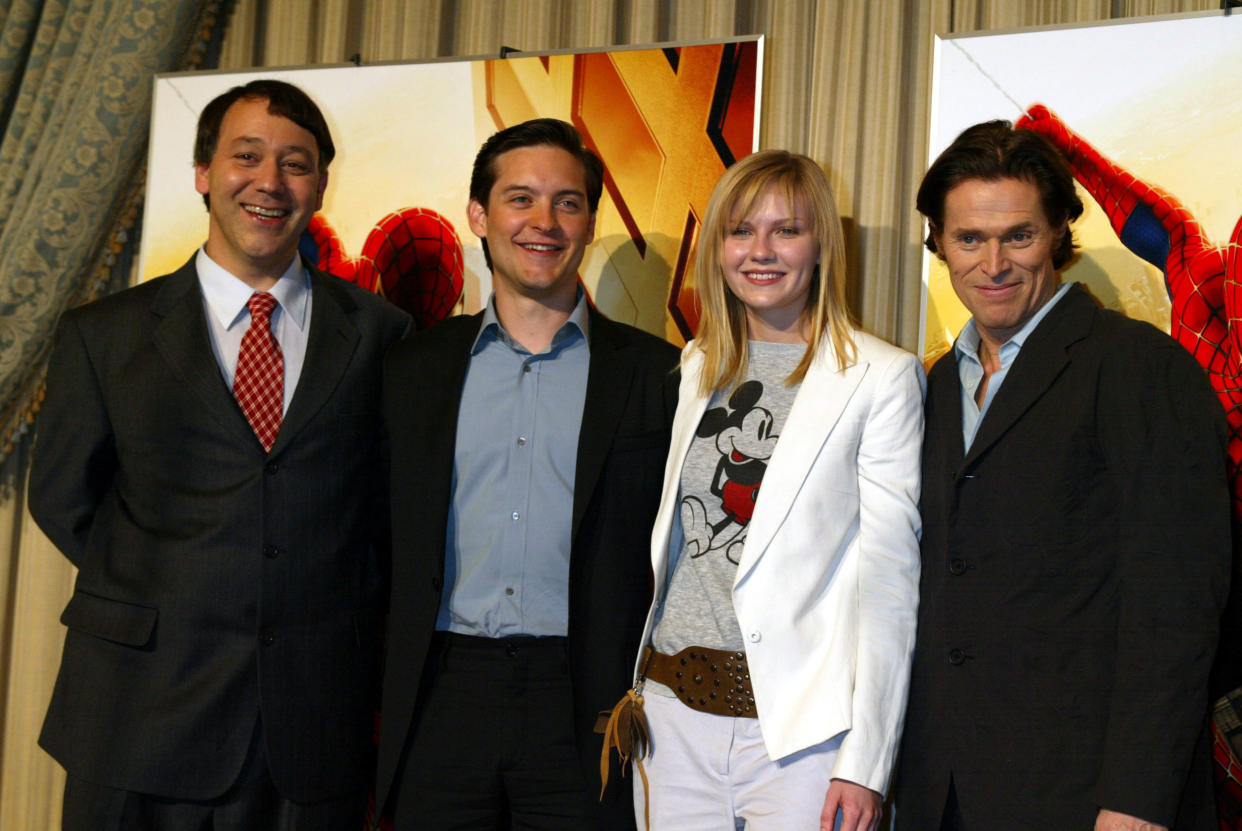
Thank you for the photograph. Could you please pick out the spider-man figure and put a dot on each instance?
(1202, 279)
(412, 256)
(1204, 282)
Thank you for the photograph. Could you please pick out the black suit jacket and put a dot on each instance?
(217, 584)
(1074, 565)
(630, 400)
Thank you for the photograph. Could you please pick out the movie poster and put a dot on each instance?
(1156, 96)
(667, 121)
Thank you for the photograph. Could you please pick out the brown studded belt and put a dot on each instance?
(713, 681)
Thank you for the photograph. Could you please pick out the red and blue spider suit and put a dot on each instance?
(1204, 282)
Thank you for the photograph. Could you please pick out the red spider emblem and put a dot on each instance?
(412, 256)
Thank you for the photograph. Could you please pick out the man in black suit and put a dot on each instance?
(219, 667)
(1075, 528)
(528, 448)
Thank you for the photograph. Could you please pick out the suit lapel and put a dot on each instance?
(608, 386)
(944, 407)
(440, 381)
(816, 410)
(181, 337)
(330, 347)
(691, 404)
(1043, 357)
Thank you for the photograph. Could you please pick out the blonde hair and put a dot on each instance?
(723, 334)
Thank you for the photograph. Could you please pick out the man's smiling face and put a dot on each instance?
(998, 246)
(537, 222)
(264, 184)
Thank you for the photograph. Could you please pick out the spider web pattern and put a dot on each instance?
(329, 253)
(416, 259)
(412, 256)
(1226, 730)
(1202, 279)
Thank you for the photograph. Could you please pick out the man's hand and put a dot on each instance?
(1113, 821)
(859, 807)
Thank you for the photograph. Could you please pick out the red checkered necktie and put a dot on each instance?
(259, 383)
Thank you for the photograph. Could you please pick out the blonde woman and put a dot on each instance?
(785, 549)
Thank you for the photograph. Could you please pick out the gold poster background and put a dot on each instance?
(666, 120)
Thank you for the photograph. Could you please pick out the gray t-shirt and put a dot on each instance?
(720, 485)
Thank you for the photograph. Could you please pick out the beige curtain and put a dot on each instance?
(845, 81)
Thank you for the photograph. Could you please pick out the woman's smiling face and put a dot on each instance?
(769, 258)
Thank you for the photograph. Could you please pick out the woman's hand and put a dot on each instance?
(859, 807)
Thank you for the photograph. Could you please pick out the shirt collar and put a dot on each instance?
(967, 344)
(579, 322)
(226, 295)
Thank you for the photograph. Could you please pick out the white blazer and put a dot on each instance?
(826, 591)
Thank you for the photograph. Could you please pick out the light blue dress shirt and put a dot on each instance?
(228, 317)
(506, 565)
(970, 370)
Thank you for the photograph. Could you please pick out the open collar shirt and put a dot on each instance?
(970, 370)
(506, 569)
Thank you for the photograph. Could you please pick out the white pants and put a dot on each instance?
(712, 773)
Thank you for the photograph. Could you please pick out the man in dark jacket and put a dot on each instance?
(528, 446)
(1075, 527)
(209, 457)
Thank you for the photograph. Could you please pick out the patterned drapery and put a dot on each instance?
(75, 100)
(75, 104)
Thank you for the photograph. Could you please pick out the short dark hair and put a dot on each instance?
(283, 99)
(995, 150)
(538, 131)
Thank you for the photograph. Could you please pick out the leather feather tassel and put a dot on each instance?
(627, 731)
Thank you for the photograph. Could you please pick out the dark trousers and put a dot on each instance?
(492, 744)
(951, 820)
(251, 804)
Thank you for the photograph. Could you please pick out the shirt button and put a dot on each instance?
(957, 657)
(509, 590)
(755, 637)
(271, 468)
(270, 551)
(526, 367)
(521, 441)
(267, 640)
(957, 566)
(516, 516)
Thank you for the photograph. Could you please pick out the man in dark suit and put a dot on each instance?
(528, 448)
(1075, 528)
(218, 669)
